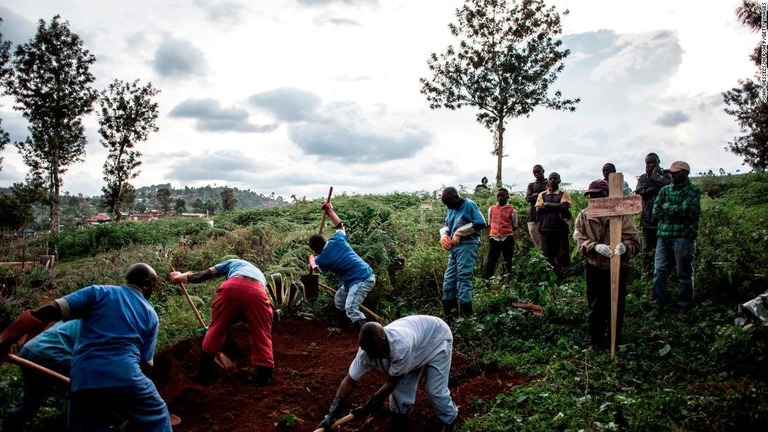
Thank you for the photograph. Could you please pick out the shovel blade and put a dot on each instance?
(224, 361)
(311, 285)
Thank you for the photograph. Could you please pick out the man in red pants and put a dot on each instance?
(241, 295)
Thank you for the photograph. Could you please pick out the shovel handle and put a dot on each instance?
(362, 308)
(24, 362)
(191, 303)
(322, 221)
(346, 419)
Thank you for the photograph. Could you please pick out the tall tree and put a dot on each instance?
(5, 73)
(180, 206)
(52, 87)
(127, 116)
(228, 198)
(507, 59)
(747, 104)
(163, 198)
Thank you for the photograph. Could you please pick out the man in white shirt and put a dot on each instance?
(402, 350)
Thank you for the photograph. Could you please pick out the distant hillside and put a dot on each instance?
(245, 198)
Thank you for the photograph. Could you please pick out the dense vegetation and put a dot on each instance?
(673, 371)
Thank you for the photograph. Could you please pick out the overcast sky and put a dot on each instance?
(294, 96)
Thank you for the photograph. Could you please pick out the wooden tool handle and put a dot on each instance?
(24, 362)
(191, 303)
(362, 308)
(346, 419)
(322, 221)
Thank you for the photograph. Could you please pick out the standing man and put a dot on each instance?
(336, 255)
(461, 238)
(553, 209)
(610, 168)
(648, 187)
(241, 295)
(119, 331)
(593, 237)
(502, 218)
(403, 350)
(536, 187)
(51, 349)
(677, 208)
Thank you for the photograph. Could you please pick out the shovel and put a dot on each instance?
(175, 420)
(311, 281)
(221, 358)
(344, 420)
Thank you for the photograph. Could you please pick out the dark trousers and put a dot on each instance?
(496, 248)
(599, 299)
(554, 245)
(649, 246)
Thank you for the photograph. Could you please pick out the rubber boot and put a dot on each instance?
(399, 422)
(449, 310)
(263, 376)
(465, 309)
(453, 426)
(207, 373)
(358, 324)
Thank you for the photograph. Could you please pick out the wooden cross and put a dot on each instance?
(615, 206)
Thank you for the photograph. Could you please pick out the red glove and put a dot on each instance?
(446, 243)
(327, 206)
(312, 264)
(26, 323)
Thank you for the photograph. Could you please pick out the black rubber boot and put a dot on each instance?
(399, 422)
(263, 376)
(465, 309)
(358, 324)
(207, 373)
(453, 426)
(450, 308)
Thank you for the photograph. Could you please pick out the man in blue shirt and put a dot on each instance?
(51, 349)
(119, 331)
(461, 237)
(336, 255)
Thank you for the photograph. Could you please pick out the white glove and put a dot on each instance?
(620, 249)
(604, 249)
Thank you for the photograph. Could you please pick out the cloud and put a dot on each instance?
(228, 11)
(342, 132)
(210, 116)
(343, 22)
(642, 58)
(327, 2)
(176, 58)
(287, 104)
(672, 119)
(210, 166)
(16, 28)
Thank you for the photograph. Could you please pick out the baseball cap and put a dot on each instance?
(597, 186)
(679, 166)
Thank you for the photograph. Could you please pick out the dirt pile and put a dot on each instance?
(311, 361)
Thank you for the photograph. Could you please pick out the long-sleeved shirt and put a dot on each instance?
(678, 208)
(590, 231)
(648, 187)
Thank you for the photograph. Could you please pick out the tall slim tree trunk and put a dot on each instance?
(500, 150)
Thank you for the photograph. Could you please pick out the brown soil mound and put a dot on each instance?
(311, 360)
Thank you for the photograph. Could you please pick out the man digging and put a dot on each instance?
(403, 350)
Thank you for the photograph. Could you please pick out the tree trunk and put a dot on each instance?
(500, 150)
(55, 204)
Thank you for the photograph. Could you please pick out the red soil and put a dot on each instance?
(311, 361)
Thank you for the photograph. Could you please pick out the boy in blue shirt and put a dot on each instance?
(336, 255)
(461, 238)
(119, 331)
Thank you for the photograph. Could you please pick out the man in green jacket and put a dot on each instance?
(677, 208)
